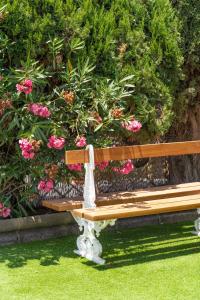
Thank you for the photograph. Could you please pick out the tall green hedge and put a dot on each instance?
(121, 37)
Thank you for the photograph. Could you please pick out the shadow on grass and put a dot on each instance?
(121, 248)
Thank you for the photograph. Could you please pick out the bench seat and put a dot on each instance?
(105, 209)
(141, 208)
(64, 204)
(152, 193)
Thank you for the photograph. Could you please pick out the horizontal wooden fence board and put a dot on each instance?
(133, 152)
(136, 209)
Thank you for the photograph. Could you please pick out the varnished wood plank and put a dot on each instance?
(62, 204)
(139, 208)
(152, 193)
(76, 156)
(149, 194)
(133, 152)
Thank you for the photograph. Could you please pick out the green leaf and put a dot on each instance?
(98, 127)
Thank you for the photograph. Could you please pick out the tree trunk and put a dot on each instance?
(186, 168)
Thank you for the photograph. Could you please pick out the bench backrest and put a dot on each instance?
(132, 152)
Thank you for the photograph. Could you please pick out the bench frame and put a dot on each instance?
(197, 224)
(88, 245)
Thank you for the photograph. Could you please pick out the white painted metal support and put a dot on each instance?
(89, 194)
(88, 245)
(197, 224)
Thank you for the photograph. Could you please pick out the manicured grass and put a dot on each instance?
(157, 262)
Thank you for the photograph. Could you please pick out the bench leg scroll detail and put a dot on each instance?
(87, 243)
(197, 224)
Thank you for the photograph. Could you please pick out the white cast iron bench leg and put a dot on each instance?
(197, 224)
(87, 243)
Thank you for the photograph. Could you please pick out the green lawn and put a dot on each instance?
(153, 262)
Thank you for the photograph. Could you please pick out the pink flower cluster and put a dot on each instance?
(126, 168)
(4, 211)
(80, 141)
(56, 142)
(132, 125)
(75, 167)
(102, 165)
(27, 149)
(78, 167)
(39, 110)
(25, 86)
(46, 185)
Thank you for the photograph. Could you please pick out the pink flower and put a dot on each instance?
(126, 168)
(49, 185)
(25, 86)
(28, 82)
(27, 149)
(44, 112)
(46, 185)
(25, 145)
(75, 167)
(28, 155)
(81, 141)
(39, 110)
(132, 125)
(34, 108)
(5, 212)
(56, 142)
(42, 185)
(102, 165)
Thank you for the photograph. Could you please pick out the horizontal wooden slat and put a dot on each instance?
(152, 193)
(132, 152)
(136, 209)
(63, 204)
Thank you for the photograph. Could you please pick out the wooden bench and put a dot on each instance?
(94, 213)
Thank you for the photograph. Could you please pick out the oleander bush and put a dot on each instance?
(75, 73)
